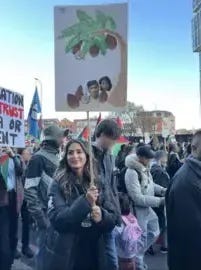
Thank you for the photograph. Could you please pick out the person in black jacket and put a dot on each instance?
(161, 177)
(11, 198)
(123, 153)
(174, 163)
(25, 156)
(183, 202)
(79, 214)
(40, 171)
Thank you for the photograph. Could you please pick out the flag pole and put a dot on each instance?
(90, 151)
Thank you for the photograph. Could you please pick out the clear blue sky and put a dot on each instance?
(163, 71)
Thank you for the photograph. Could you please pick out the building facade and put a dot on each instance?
(64, 123)
(152, 122)
(80, 124)
(156, 122)
(196, 33)
(196, 26)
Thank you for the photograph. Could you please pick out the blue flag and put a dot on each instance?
(33, 115)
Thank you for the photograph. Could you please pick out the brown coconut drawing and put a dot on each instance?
(94, 51)
(111, 42)
(79, 93)
(77, 47)
(72, 101)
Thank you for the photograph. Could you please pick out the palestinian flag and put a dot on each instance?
(122, 139)
(117, 146)
(4, 159)
(119, 123)
(84, 135)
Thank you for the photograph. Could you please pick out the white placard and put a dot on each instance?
(11, 118)
(91, 57)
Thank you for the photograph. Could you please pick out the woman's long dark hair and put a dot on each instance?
(66, 177)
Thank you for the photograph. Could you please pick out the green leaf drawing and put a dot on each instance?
(85, 47)
(87, 30)
(87, 33)
(100, 19)
(72, 42)
(100, 42)
(70, 31)
(110, 24)
(84, 17)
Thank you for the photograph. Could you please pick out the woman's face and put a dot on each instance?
(76, 156)
(105, 85)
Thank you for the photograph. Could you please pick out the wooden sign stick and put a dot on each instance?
(90, 151)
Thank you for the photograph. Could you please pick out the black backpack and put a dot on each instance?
(121, 185)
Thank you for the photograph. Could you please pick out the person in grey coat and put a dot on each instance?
(142, 190)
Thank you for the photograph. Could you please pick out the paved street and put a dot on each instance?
(157, 262)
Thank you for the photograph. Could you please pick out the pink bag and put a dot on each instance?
(132, 229)
(130, 234)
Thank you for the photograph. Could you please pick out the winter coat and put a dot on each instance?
(141, 192)
(40, 171)
(19, 186)
(68, 243)
(120, 160)
(184, 217)
(106, 165)
(160, 177)
(174, 164)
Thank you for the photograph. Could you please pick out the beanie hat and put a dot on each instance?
(52, 133)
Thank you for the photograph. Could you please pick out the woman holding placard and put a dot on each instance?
(79, 214)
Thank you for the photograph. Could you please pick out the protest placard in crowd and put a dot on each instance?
(11, 118)
(91, 57)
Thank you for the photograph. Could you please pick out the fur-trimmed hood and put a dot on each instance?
(133, 163)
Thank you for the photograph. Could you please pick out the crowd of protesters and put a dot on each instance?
(107, 218)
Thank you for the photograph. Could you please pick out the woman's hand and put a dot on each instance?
(96, 214)
(92, 195)
(163, 192)
(10, 152)
(162, 202)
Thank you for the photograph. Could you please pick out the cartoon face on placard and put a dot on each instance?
(91, 57)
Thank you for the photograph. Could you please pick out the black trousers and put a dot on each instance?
(13, 223)
(8, 232)
(25, 224)
(5, 251)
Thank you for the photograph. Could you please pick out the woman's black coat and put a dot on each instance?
(66, 215)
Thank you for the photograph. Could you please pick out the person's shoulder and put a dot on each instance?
(156, 168)
(181, 177)
(37, 158)
(183, 171)
(95, 150)
(53, 187)
(131, 173)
